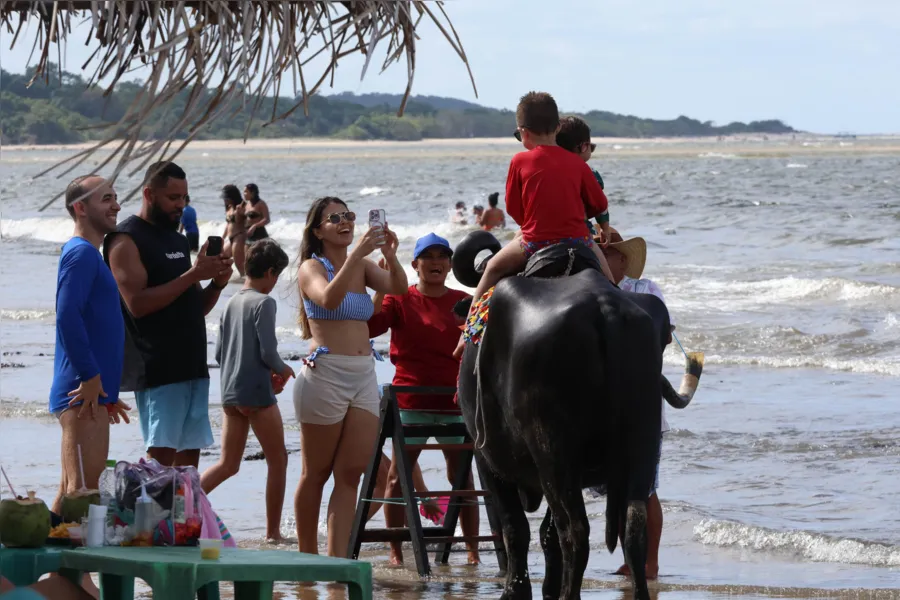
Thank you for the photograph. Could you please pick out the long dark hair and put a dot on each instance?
(309, 245)
(254, 193)
(231, 195)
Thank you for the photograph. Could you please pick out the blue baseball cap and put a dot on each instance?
(432, 240)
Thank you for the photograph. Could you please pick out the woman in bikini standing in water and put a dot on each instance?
(235, 227)
(336, 394)
(257, 212)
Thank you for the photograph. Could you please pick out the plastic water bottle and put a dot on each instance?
(107, 487)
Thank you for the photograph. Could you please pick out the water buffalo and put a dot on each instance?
(563, 392)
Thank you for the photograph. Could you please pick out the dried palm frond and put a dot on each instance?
(248, 46)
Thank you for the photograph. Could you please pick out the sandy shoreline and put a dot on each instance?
(726, 147)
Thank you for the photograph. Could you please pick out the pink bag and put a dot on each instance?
(213, 528)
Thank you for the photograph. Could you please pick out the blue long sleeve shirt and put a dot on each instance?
(90, 331)
(189, 219)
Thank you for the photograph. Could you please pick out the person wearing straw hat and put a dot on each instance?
(626, 260)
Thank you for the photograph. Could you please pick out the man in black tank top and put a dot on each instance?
(165, 312)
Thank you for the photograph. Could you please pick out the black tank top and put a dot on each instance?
(168, 346)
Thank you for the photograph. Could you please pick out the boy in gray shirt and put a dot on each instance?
(252, 373)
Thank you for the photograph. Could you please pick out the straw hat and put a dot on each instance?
(634, 250)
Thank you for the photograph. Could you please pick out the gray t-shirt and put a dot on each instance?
(247, 350)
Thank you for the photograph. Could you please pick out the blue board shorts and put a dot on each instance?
(176, 415)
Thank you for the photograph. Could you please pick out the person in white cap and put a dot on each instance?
(626, 260)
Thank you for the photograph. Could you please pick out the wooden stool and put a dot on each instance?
(391, 426)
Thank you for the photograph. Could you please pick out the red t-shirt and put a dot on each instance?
(549, 193)
(424, 333)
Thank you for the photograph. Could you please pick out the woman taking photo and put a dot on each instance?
(336, 394)
(257, 212)
(235, 227)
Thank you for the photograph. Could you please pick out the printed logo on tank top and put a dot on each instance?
(174, 255)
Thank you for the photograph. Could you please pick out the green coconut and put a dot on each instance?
(75, 506)
(24, 522)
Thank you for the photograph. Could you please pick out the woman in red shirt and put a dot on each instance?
(424, 332)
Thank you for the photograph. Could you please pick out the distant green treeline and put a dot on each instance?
(59, 112)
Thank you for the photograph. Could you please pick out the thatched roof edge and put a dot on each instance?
(251, 44)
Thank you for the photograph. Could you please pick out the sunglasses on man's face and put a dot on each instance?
(336, 218)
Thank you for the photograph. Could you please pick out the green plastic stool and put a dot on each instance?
(25, 566)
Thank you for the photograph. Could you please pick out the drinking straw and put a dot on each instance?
(679, 345)
(5, 476)
(81, 468)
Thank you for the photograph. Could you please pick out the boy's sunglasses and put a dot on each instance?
(593, 147)
(336, 218)
(518, 133)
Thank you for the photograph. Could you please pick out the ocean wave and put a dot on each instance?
(26, 315)
(373, 191)
(869, 366)
(59, 229)
(809, 546)
(716, 155)
(717, 294)
(287, 232)
(53, 229)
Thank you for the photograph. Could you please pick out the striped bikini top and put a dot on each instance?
(355, 306)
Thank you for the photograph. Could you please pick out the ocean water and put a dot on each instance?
(781, 264)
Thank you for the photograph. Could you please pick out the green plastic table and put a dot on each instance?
(178, 573)
(24, 566)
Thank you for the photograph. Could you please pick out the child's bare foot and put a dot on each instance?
(474, 559)
(624, 570)
(276, 539)
(396, 559)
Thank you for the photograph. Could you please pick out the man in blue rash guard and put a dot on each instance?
(90, 338)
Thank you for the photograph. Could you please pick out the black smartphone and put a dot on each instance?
(213, 245)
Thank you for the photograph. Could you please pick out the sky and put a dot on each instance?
(824, 66)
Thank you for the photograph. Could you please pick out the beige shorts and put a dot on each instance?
(323, 394)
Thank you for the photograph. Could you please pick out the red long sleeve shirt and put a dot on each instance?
(424, 334)
(550, 192)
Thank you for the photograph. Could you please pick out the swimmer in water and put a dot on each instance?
(493, 216)
(257, 212)
(459, 217)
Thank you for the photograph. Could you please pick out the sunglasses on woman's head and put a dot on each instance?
(336, 218)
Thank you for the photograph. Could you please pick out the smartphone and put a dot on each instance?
(213, 245)
(377, 218)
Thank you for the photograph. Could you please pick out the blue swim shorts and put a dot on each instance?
(176, 415)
